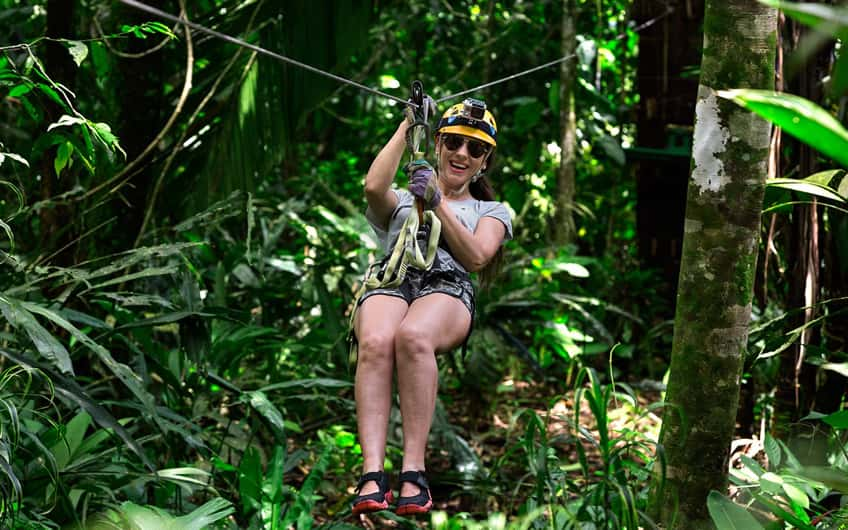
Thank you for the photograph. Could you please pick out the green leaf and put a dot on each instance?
(20, 90)
(772, 451)
(104, 133)
(838, 420)
(15, 157)
(797, 496)
(728, 515)
(74, 433)
(843, 187)
(44, 341)
(138, 517)
(307, 383)
(835, 479)
(63, 156)
(612, 148)
(771, 483)
(840, 368)
(828, 19)
(824, 178)
(259, 401)
(574, 269)
(66, 121)
(797, 116)
(158, 27)
(78, 50)
(250, 479)
(804, 186)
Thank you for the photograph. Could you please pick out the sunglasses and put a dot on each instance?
(476, 148)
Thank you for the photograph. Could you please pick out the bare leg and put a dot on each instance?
(376, 323)
(434, 323)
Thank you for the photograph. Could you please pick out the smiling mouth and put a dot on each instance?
(458, 167)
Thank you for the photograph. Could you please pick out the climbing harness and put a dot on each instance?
(167, 16)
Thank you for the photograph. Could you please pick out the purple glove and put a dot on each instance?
(422, 183)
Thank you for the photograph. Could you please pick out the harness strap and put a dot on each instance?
(407, 252)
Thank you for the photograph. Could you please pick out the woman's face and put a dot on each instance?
(457, 163)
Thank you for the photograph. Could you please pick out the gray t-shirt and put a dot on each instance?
(467, 212)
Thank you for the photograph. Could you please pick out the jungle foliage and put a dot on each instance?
(183, 234)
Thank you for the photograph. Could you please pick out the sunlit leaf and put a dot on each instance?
(15, 157)
(797, 496)
(259, 401)
(824, 178)
(804, 186)
(843, 187)
(63, 156)
(78, 50)
(66, 121)
(797, 116)
(840, 368)
(573, 269)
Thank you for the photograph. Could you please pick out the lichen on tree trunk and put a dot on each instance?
(715, 285)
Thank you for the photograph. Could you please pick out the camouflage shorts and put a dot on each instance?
(419, 283)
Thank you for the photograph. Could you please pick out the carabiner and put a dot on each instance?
(419, 131)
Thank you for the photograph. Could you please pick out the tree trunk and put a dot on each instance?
(718, 261)
(563, 229)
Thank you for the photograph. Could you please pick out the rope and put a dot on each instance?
(259, 49)
(263, 51)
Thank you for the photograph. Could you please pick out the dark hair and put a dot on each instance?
(482, 190)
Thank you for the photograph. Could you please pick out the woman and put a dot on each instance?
(432, 310)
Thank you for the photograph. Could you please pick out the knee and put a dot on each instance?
(413, 340)
(375, 347)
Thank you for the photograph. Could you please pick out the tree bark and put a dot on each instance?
(563, 229)
(718, 261)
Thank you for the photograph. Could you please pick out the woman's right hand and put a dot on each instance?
(422, 183)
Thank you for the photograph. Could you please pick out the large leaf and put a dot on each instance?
(805, 186)
(727, 515)
(829, 19)
(46, 344)
(259, 401)
(138, 517)
(799, 117)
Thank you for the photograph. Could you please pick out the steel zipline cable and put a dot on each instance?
(167, 16)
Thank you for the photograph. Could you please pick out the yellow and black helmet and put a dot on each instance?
(470, 118)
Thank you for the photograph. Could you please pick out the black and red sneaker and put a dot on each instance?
(416, 504)
(373, 502)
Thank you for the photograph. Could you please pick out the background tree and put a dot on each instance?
(563, 228)
(715, 289)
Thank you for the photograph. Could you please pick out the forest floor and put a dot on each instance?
(495, 430)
